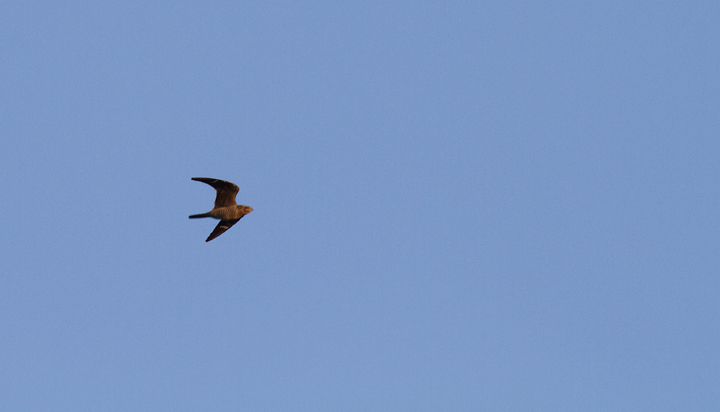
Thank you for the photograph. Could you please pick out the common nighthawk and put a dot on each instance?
(225, 207)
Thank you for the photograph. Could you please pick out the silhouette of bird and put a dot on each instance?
(225, 207)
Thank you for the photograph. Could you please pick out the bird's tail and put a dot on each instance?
(200, 215)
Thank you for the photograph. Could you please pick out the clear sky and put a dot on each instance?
(459, 206)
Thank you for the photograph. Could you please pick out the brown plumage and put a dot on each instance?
(225, 208)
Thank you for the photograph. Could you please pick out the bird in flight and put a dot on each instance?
(225, 207)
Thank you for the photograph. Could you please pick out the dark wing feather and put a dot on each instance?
(226, 191)
(221, 228)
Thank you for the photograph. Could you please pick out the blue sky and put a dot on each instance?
(460, 206)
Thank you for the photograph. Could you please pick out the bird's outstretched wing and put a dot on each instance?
(221, 228)
(226, 191)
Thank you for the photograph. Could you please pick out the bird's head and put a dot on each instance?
(246, 209)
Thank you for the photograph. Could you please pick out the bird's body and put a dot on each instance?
(225, 213)
(225, 207)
